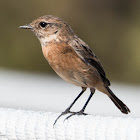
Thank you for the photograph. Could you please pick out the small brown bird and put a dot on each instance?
(72, 59)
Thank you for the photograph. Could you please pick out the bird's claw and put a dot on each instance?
(63, 113)
(71, 114)
(75, 113)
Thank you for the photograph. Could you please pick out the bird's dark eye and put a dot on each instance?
(43, 24)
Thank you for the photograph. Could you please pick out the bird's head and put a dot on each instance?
(49, 28)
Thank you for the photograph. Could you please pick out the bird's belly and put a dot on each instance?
(76, 72)
(69, 69)
(71, 77)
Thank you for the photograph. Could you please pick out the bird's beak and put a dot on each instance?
(28, 26)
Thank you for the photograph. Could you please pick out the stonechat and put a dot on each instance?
(72, 59)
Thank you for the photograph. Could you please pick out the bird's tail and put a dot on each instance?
(123, 108)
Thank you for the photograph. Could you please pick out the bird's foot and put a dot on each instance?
(63, 113)
(81, 112)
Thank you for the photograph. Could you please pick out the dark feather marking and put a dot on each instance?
(55, 32)
(99, 69)
(87, 50)
(67, 50)
(84, 47)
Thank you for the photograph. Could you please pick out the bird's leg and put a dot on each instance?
(81, 112)
(68, 109)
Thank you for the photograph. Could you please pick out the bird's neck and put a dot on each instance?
(48, 39)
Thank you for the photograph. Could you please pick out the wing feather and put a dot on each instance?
(86, 54)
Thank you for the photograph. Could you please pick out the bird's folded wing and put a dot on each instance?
(86, 54)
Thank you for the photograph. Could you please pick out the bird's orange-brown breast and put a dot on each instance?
(61, 56)
(65, 62)
(68, 65)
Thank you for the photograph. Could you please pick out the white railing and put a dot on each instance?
(31, 125)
